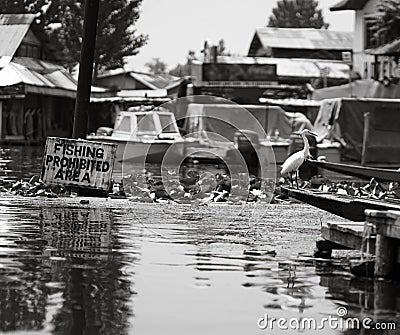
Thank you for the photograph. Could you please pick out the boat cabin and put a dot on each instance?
(159, 124)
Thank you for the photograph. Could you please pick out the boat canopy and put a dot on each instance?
(133, 125)
(214, 121)
(370, 128)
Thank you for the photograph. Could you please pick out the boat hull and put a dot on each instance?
(348, 207)
(362, 172)
(148, 152)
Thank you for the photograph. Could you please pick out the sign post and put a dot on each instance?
(85, 68)
(78, 163)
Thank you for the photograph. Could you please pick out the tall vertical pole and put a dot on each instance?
(86, 68)
(1, 119)
(350, 86)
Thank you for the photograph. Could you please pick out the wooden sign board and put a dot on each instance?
(78, 163)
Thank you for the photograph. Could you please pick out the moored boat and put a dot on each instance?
(346, 206)
(363, 172)
(143, 136)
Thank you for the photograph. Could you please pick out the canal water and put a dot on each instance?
(119, 267)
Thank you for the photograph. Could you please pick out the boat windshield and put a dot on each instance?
(167, 123)
(145, 123)
(124, 124)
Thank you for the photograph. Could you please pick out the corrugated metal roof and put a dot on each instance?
(13, 28)
(15, 19)
(304, 38)
(349, 5)
(39, 73)
(154, 81)
(292, 67)
(392, 48)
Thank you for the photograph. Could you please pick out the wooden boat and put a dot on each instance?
(363, 172)
(348, 207)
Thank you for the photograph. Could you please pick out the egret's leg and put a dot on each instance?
(291, 179)
(297, 182)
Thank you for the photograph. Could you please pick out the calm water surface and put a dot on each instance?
(183, 270)
(173, 269)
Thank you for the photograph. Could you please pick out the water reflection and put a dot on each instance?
(62, 275)
(18, 162)
(95, 293)
(101, 271)
(375, 299)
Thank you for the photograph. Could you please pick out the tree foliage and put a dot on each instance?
(180, 70)
(386, 25)
(61, 22)
(183, 70)
(297, 14)
(156, 66)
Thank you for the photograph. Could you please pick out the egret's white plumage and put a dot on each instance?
(294, 161)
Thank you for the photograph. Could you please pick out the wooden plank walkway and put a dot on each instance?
(346, 235)
(379, 235)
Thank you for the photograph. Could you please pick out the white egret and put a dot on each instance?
(294, 161)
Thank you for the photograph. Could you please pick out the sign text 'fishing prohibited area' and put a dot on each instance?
(78, 163)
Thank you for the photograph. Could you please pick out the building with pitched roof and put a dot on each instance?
(300, 43)
(245, 79)
(133, 80)
(36, 95)
(372, 58)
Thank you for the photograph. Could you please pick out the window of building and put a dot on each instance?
(28, 50)
(370, 41)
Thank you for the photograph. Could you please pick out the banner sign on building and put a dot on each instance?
(78, 163)
(238, 72)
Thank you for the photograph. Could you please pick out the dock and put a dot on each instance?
(346, 235)
(379, 236)
(373, 227)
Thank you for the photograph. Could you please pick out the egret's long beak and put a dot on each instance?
(313, 134)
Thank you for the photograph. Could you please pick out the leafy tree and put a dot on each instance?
(297, 14)
(61, 21)
(180, 70)
(386, 25)
(156, 66)
(183, 70)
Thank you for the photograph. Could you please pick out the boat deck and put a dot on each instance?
(349, 207)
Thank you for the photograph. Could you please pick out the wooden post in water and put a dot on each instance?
(86, 68)
(365, 138)
(386, 253)
(387, 227)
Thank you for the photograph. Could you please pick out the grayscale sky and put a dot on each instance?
(176, 26)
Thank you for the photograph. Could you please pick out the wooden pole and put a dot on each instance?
(1, 119)
(350, 85)
(386, 253)
(86, 68)
(365, 138)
